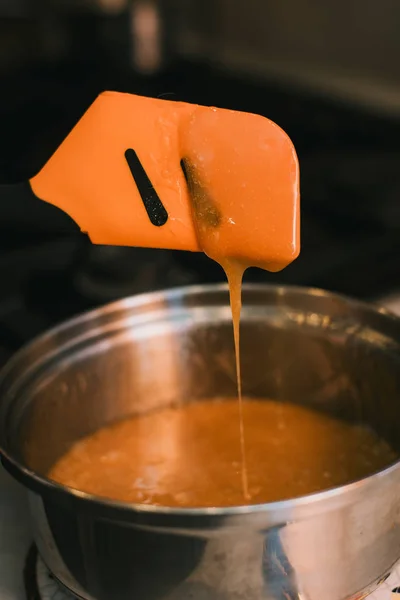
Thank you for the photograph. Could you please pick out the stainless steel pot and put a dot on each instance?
(299, 345)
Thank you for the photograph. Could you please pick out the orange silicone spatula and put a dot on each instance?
(155, 173)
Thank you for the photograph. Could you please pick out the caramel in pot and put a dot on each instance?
(189, 456)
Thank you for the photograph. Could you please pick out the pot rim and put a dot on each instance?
(33, 480)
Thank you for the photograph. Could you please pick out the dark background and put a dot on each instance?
(55, 57)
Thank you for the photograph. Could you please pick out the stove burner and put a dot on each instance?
(39, 582)
(41, 585)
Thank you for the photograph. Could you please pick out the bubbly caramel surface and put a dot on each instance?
(190, 455)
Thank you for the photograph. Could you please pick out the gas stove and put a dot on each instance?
(40, 584)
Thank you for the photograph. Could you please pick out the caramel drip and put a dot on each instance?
(208, 222)
(234, 272)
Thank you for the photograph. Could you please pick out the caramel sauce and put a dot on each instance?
(240, 204)
(240, 207)
(189, 456)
